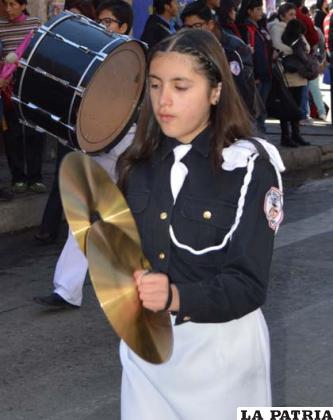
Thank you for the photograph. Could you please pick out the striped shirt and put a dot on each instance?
(13, 33)
(328, 21)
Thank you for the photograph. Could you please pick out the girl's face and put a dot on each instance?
(181, 96)
(173, 8)
(290, 15)
(111, 23)
(256, 13)
(232, 14)
(14, 9)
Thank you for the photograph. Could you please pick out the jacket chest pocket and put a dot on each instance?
(202, 224)
(138, 203)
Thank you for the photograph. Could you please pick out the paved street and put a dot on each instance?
(64, 365)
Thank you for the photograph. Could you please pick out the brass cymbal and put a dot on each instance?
(113, 257)
(105, 229)
(88, 194)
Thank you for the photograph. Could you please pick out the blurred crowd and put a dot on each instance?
(278, 57)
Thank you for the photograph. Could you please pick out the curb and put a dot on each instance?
(22, 212)
(306, 156)
(26, 211)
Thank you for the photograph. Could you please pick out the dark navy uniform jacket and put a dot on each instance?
(217, 286)
(155, 30)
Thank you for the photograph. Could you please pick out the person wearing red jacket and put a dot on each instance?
(312, 37)
(328, 31)
(311, 34)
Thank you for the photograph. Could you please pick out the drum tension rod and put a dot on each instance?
(82, 48)
(40, 129)
(43, 111)
(79, 90)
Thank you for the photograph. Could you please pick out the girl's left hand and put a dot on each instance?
(153, 289)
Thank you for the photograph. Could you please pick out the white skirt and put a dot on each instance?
(214, 368)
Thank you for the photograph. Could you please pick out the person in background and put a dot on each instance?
(116, 16)
(293, 36)
(319, 51)
(312, 38)
(289, 129)
(52, 216)
(328, 33)
(320, 14)
(197, 15)
(161, 23)
(5, 195)
(249, 17)
(213, 5)
(23, 145)
(328, 28)
(82, 7)
(227, 13)
(311, 34)
(72, 265)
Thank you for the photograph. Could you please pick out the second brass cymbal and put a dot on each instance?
(88, 194)
(113, 257)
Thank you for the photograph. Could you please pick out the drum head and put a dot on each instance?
(111, 98)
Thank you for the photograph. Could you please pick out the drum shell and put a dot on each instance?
(74, 63)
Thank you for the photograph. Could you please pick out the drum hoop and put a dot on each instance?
(133, 115)
(78, 86)
(87, 21)
(19, 91)
(44, 130)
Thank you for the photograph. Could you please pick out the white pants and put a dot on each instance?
(70, 272)
(214, 368)
(72, 265)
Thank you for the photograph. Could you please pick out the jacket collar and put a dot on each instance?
(201, 143)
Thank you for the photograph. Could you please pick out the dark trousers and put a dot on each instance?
(263, 89)
(53, 210)
(296, 93)
(24, 150)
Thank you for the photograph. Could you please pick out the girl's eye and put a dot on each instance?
(154, 85)
(181, 88)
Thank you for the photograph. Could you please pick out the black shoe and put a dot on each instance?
(288, 142)
(300, 141)
(45, 238)
(55, 301)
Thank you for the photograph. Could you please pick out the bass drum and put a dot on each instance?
(80, 83)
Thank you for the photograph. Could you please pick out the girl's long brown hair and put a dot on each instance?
(229, 119)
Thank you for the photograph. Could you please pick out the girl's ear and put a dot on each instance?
(216, 94)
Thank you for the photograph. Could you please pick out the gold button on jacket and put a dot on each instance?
(207, 215)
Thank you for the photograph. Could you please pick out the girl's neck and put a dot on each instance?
(19, 19)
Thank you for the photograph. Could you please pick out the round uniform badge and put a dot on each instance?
(273, 208)
(235, 68)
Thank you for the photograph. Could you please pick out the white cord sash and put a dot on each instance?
(178, 174)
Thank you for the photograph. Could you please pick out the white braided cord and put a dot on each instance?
(239, 213)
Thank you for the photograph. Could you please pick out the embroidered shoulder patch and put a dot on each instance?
(273, 207)
(235, 68)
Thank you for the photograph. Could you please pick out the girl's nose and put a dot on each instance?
(165, 97)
